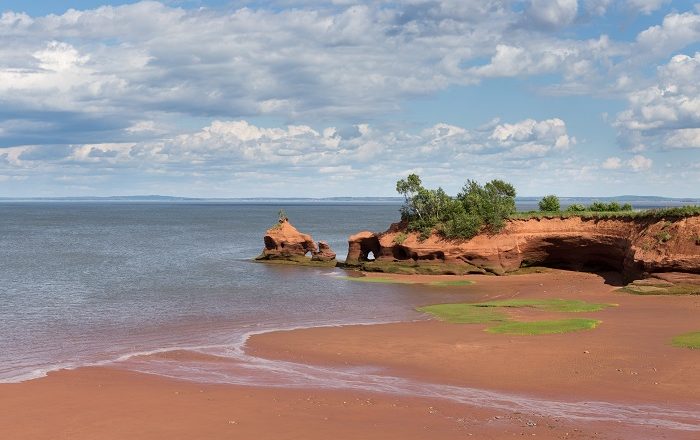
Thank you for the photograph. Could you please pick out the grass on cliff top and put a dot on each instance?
(661, 289)
(381, 280)
(544, 327)
(652, 214)
(687, 340)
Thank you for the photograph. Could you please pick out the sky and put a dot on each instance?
(307, 98)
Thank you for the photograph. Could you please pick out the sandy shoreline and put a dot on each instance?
(627, 361)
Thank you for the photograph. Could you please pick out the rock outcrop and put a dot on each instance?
(635, 247)
(284, 243)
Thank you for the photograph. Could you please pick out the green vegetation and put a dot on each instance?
(464, 313)
(661, 289)
(298, 260)
(380, 280)
(487, 207)
(414, 268)
(649, 214)
(476, 207)
(492, 311)
(400, 238)
(663, 236)
(609, 207)
(550, 305)
(576, 207)
(377, 280)
(550, 203)
(451, 283)
(544, 327)
(687, 340)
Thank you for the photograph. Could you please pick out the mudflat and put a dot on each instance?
(620, 380)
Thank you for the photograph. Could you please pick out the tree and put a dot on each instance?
(409, 188)
(427, 210)
(492, 203)
(550, 203)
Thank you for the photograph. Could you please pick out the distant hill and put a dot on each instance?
(643, 200)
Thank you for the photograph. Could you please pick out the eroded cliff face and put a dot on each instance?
(633, 247)
(283, 242)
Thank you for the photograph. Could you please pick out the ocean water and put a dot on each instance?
(86, 283)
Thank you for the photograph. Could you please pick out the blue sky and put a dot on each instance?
(309, 98)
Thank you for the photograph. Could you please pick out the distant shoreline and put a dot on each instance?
(173, 199)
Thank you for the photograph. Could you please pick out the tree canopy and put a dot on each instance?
(476, 207)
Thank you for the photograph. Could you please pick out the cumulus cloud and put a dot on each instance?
(115, 67)
(646, 6)
(675, 32)
(640, 163)
(636, 163)
(241, 146)
(612, 163)
(667, 113)
(553, 13)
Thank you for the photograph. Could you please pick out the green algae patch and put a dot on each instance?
(385, 280)
(544, 327)
(296, 261)
(451, 283)
(687, 340)
(464, 313)
(377, 280)
(549, 305)
(661, 289)
(494, 312)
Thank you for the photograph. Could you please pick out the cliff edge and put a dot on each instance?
(634, 247)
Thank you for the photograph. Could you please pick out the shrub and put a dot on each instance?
(476, 206)
(550, 203)
(609, 207)
(663, 236)
(400, 238)
(576, 207)
(461, 225)
(493, 203)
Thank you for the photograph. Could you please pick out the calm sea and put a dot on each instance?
(87, 283)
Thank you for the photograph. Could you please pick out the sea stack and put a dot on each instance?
(285, 244)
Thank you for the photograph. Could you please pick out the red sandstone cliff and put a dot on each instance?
(284, 242)
(634, 247)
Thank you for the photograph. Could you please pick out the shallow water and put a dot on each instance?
(82, 283)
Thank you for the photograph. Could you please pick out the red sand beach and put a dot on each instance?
(627, 361)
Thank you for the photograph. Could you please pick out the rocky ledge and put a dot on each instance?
(634, 247)
(285, 244)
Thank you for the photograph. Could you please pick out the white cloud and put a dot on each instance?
(612, 163)
(676, 31)
(596, 7)
(640, 163)
(646, 6)
(240, 145)
(661, 114)
(553, 13)
(684, 138)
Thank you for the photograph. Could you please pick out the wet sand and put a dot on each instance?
(627, 362)
(103, 403)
